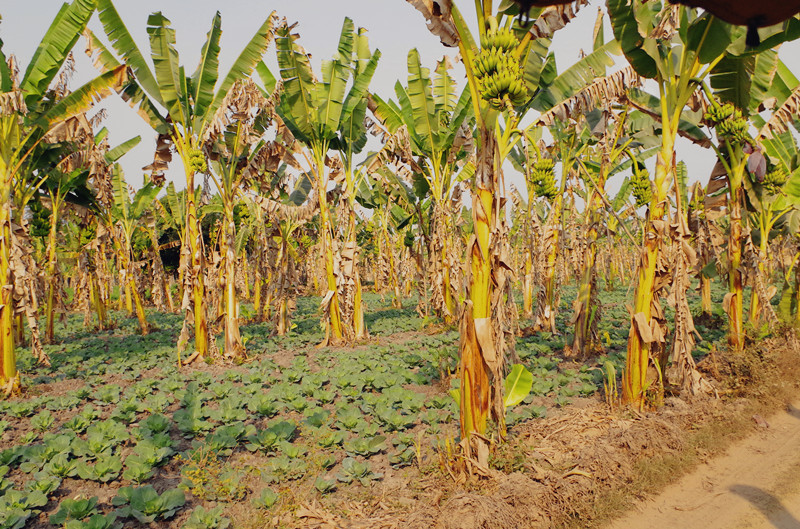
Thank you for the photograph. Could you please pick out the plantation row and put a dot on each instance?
(281, 203)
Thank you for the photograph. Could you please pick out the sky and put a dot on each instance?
(394, 27)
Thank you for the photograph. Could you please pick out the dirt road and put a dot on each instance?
(755, 485)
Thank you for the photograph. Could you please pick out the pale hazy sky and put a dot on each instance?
(394, 27)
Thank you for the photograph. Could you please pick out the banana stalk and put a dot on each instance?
(196, 264)
(55, 201)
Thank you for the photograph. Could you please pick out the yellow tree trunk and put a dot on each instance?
(735, 301)
(49, 335)
(194, 238)
(634, 381)
(333, 323)
(9, 379)
(584, 309)
(477, 345)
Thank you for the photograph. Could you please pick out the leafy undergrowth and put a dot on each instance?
(114, 435)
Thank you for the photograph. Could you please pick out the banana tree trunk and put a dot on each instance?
(396, 301)
(331, 309)
(351, 271)
(233, 340)
(196, 269)
(9, 379)
(735, 299)
(479, 363)
(640, 337)
(130, 286)
(527, 286)
(49, 335)
(551, 240)
(160, 278)
(585, 310)
(705, 295)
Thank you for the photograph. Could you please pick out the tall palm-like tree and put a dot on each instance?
(191, 103)
(506, 71)
(27, 114)
(435, 123)
(324, 115)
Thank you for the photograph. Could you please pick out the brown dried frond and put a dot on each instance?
(782, 117)
(243, 102)
(65, 75)
(12, 102)
(281, 211)
(396, 149)
(161, 159)
(668, 24)
(610, 88)
(77, 128)
(98, 118)
(556, 17)
(440, 21)
(463, 140)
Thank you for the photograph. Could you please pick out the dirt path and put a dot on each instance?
(755, 485)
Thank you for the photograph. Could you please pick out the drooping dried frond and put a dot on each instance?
(396, 149)
(12, 102)
(243, 102)
(556, 17)
(440, 21)
(783, 117)
(161, 159)
(462, 141)
(99, 117)
(280, 211)
(61, 88)
(610, 88)
(25, 287)
(74, 129)
(668, 24)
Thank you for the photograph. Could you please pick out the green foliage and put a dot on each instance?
(518, 385)
(353, 470)
(201, 518)
(146, 505)
(266, 499)
(76, 509)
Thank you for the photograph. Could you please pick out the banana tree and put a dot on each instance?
(127, 215)
(27, 114)
(60, 188)
(233, 151)
(191, 104)
(606, 159)
(678, 49)
(505, 70)
(770, 198)
(439, 133)
(394, 206)
(324, 115)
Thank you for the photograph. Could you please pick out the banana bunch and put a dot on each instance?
(197, 161)
(728, 121)
(498, 71)
(717, 113)
(543, 176)
(642, 187)
(775, 179)
(734, 129)
(502, 39)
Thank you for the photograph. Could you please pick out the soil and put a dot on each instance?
(587, 464)
(755, 485)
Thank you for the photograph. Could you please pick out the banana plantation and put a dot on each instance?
(327, 306)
